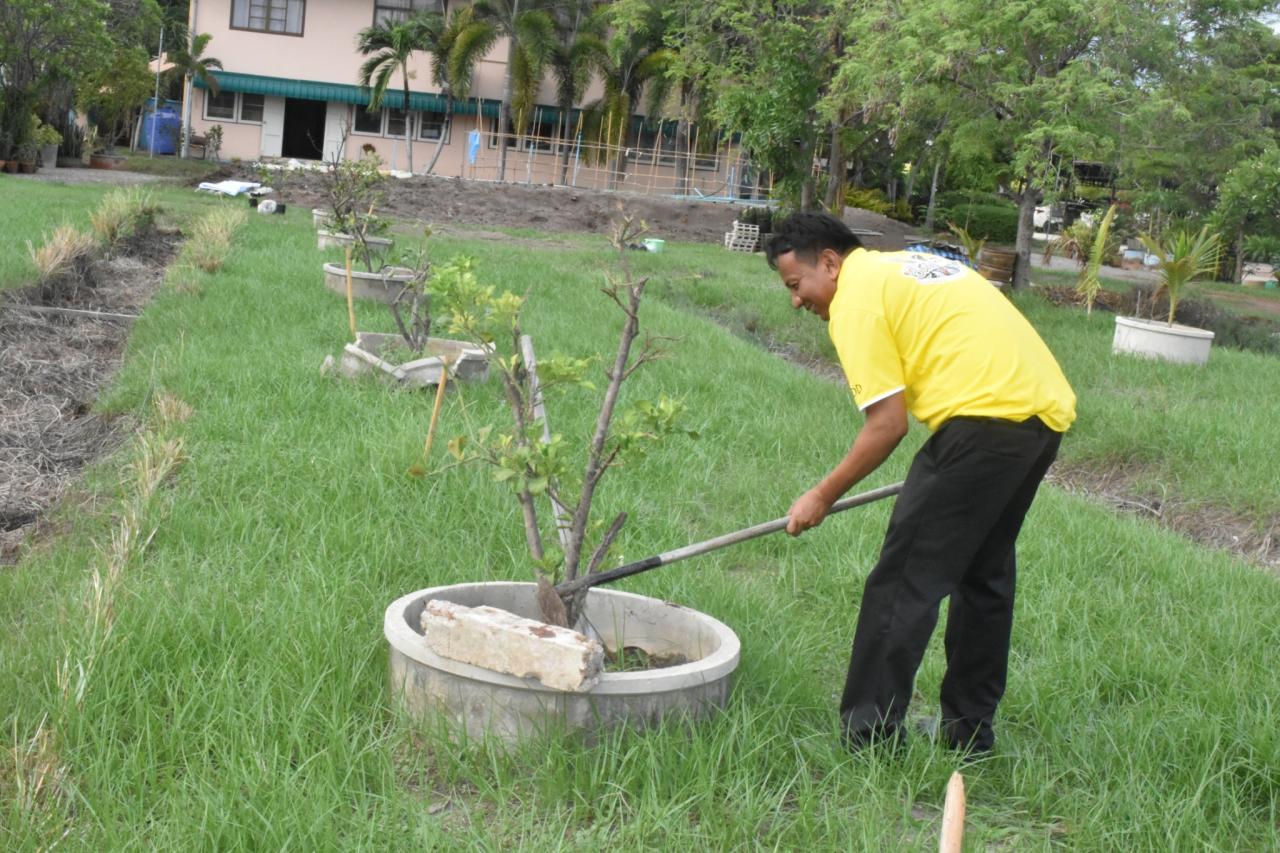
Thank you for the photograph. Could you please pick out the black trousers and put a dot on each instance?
(952, 533)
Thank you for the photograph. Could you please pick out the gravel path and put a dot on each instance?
(90, 176)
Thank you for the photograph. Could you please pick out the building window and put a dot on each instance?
(234, 106)
(269, 16)
(221, 105)
(251, 107)
(538, 135)
(391, 11)
(432, 125)
(368, 121)
(395, 122)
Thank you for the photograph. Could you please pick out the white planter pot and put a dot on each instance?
(467, 362)
(485, 702)
(49, 156)
(382, 286)
(317, 216)
(327, 240)
(1157, 339)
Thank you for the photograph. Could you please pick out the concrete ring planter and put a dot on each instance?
(329, 240)
(467, 362)
(484, 702)
(1157, 339)
(318, 215)
(379, 286)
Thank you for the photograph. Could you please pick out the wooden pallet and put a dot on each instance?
(743, 238)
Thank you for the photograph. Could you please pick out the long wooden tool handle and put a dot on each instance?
(952, 836)
(718, 542)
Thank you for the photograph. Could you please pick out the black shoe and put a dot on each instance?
(932, 730)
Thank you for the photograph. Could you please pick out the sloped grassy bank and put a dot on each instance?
(241, 699)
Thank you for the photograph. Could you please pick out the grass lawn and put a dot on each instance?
(241, 701)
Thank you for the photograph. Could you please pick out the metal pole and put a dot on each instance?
(718, 542)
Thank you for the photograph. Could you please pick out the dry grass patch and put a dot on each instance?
(210, 238)
(64, 263)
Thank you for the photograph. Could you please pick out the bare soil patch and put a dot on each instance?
(52, 366)
(557, 209)
(1119, 484)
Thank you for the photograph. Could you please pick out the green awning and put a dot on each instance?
(256, 84)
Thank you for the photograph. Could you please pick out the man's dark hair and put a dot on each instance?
(807, 234)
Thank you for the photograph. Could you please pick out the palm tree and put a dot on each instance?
(530, 33)
(455, 49)
(390, 45)
(189, 61)
(573, 58)
(634, 62)
(1181, 258)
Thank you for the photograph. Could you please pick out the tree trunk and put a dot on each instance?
(1238, 275)
(444, 131)
(834, 201)
(807, 193)
(186, 117)
(566, 142)
(933, 193)
(683, 141)
(1026, 226)
(408, 120)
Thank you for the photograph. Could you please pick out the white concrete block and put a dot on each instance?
(495, 639)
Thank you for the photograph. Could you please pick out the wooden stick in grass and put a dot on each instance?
(953, 816)
(435, 411)
(351, 302)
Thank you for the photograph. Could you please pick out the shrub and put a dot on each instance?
(210, 239)
(868, 199)
(995, 223)
(959, 199)
(123, 218)
(64, 263)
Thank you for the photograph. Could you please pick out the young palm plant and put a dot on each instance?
(1089, 283)
(530, 33)
(1182, 258)
(190, 62)
(390, 45)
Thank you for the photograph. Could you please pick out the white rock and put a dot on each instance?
(504, 642)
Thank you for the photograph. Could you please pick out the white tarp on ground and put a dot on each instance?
(228, 187)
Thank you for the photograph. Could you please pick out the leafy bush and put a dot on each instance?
(868, 199)
(996, 223)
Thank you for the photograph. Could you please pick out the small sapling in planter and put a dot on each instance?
(1181, 257)
(483, 654)
(354, 189)
(533, 462)
(412, 357)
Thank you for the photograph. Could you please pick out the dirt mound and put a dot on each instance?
(542, 207)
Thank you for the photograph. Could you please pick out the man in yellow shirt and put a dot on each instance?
(923, 334)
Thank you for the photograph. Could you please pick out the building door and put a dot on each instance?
(303, 129)
(336, 119)
(272, 126)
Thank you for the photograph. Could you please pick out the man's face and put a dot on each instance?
(812, 286)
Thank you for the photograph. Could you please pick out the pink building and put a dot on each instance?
(288, 89)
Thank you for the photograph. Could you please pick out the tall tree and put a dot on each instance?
(632, 65)
(390, 46)
(461, 45)
(190, 63)
(573, 56)
(530, 33)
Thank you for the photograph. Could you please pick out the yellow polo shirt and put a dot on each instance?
(936, 330)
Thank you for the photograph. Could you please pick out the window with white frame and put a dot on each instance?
(395, 122)
(538, 135)
(432, 125)
(269, 16)
(367, 121)
(241, 107)
(391, 11)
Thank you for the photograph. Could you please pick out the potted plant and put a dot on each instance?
(354, 189)
(1180, 258)
(411, 356)
(1262, 257)
(534, 464)
(26, 154)
(48, 139)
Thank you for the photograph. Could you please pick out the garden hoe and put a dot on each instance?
(568, 588)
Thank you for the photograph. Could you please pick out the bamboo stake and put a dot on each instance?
(691, 166)
(564, 523)
(653, 166)
(351, 301)
(953, 816)
(435, 411)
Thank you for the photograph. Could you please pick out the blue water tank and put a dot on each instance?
(164, 125)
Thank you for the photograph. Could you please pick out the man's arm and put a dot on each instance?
(886, 425)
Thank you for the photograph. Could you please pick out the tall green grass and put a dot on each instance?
(243, 700)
